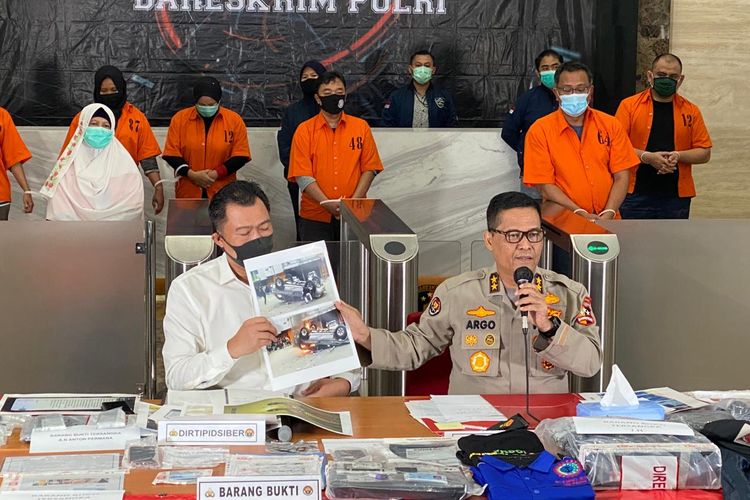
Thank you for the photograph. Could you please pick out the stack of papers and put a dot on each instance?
(455, 415)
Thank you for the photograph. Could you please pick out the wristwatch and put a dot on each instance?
(549, 334)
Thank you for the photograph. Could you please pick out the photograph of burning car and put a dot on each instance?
(314, 339)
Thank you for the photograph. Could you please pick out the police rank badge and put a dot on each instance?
(489, 340)
(494, 282)
(435, 307)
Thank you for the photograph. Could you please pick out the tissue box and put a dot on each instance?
(645, 410)
(636, 461)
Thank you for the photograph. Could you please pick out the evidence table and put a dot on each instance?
(379, 417)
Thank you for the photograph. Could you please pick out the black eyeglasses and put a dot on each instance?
(513, 236)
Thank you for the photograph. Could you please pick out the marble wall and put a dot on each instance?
(653, 36)
(710, 38)
(438, 182)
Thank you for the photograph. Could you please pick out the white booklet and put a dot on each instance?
(295, 290)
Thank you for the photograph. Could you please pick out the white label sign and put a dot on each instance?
(260, 487)
(62, 495)
(649, 473)
(238, 430)
(82, 438)
(593, 425)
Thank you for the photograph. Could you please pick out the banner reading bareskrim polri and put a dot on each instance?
(484, 50)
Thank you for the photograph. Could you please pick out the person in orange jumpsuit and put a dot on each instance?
(206, 143)
(133, 129)
(13, 153)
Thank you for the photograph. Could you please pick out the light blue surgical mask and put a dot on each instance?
(207, 111)
(422, 74)
(548, 78)
(97, 137)
(574, 104)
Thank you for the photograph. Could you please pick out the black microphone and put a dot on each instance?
(520, 276)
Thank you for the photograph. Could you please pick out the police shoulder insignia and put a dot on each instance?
(489, 340)
(585, 316)
(480, 362)
(538, 282)
(435, 306)
(494, 282)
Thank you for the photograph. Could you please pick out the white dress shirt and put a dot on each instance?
(205, 308)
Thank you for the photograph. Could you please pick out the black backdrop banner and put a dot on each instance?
(484, 51)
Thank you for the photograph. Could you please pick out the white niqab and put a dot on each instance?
(89, 184)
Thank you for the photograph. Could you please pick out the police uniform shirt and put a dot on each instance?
(545, 478)
(473, 315)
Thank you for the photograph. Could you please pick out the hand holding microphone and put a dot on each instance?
(530, 301)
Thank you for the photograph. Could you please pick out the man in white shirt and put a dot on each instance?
(210, 338)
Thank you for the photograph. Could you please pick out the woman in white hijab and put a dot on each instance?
(95, 177)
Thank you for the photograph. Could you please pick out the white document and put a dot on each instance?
(82, 438)
(649, 472)
(61, 464)
(295, 289)
(595, 425)
(63, 403)
(62, 495)
(65, 482)
(466, 408)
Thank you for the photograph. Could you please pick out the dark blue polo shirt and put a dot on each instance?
(546, 478)
(530, 106)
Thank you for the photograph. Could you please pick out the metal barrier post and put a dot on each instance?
(150, 330)
(379, 276)
(187, 239)
(593, 253)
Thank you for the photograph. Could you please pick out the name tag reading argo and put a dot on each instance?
(259, 487)
(240, 430)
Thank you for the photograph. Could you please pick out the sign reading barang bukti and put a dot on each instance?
(294, 6)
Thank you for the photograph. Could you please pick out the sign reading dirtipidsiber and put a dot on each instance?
(259, 487)
(236, 430)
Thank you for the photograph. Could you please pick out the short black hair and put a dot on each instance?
(572, 67)
(242, 193)
(330, 76)
(668, 56)
(505, 201)
(422, 52)
(545, 53)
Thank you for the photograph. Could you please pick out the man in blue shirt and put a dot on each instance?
(420, 104)
(532, 105)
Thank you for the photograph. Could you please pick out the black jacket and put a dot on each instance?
(300, 111)
(399, 108)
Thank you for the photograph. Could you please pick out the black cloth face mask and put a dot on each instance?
(309, 86)
(251, 249)
(333, 104)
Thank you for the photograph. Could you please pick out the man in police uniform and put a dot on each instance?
(478, 314)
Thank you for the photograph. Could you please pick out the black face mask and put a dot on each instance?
(333, 104)
(253, 248)
(112, 101)
(309, 86)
